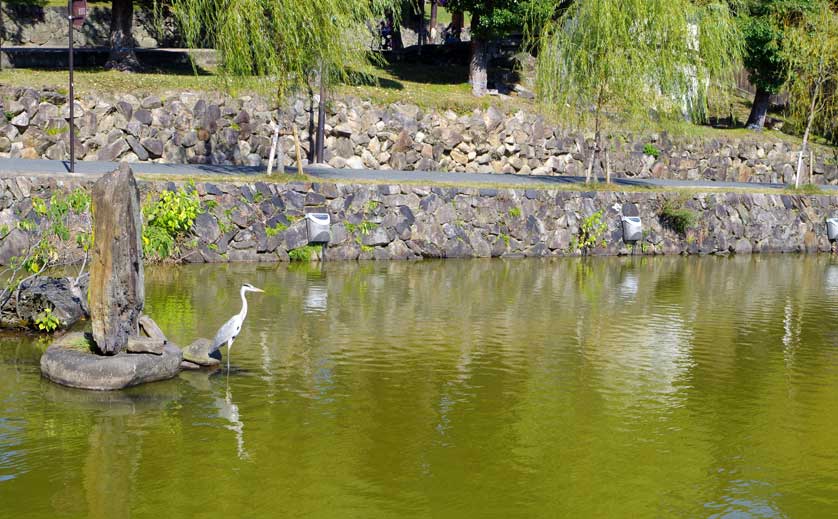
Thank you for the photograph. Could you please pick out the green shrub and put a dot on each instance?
(276, 229)
(46, 321)
(167, 220)
(591, 233)
(303, 253)
(515, 212)
(651, 150)
(673, 214)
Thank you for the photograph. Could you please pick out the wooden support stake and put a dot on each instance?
(297, 148)
(272, 153)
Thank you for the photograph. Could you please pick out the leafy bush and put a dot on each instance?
(276, 229)
(651, 150)
(46, 321)
(303, 253)
(515, 212)
(673, 214)
(167, 220)
(591, 233)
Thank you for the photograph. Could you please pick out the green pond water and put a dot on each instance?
(626, 387)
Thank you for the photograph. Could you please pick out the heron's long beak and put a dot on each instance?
(254, 289)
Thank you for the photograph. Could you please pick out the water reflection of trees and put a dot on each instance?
(420, 385)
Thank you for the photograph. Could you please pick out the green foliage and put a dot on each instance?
(363, 228)
(515, 212)
(591, 233)
(675, 215)
(305, 253)
(53, 229)
(505, 238)
(276, 229)
(764, 25)
(811, 50)
(46, 238)
(633, 55)
(372, 205)
(46, 321)
(492, 19)
(651, 150)
(167, 219)
(367, 248)
(157, 242)
(8, 115)
(282, 42)
(56, 130)
(807, 189)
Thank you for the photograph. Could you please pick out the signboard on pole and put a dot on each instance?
(79, 12)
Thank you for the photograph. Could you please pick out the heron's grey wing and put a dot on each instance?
(225, 333)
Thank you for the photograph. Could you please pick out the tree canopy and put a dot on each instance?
(282, 42)
(633, 56)
(811, 51)
(765, 24)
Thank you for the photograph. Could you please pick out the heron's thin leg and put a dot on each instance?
(229, 347)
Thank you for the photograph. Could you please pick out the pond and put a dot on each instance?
(622, 387)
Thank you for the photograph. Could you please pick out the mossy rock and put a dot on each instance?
(201, 352)
(73, 360)
(76, 341)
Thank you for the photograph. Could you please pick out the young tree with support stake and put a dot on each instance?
(629, 57)
(281, 45)
(811, 50)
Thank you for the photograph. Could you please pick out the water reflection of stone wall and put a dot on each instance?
(263, 222)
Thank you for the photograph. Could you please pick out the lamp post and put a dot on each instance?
(76, 13)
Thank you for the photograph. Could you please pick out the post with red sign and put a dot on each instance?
(76, 13)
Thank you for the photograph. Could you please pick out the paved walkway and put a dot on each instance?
(56, 168)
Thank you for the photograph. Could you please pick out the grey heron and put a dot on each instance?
(228, 333)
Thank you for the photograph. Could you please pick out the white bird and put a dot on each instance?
(228, 333)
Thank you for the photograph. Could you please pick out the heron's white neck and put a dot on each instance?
(243, 312)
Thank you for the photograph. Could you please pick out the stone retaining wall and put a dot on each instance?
(29, 25)
(263, 221)
(217, 129)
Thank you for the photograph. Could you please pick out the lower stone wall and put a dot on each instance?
(264, 222)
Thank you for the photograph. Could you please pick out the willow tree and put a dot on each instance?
(630, 57)
(811, 49)
(280, 46)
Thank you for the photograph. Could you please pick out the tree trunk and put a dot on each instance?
(321, 119)
(122, 55)
(762, 100)
(396, 42)
(479, 64)
(433, 30)
(809, 122)
(421, 29)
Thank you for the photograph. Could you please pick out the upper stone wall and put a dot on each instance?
(211, 128)
(28, 25)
